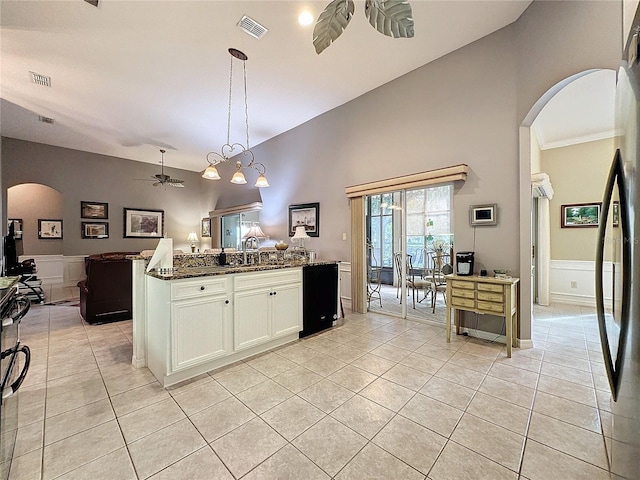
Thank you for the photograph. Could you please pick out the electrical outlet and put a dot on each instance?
(344, 236)
(574, 284)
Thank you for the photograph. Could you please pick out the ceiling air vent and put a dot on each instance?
(46, 119)
(41, 80)
(253, 28)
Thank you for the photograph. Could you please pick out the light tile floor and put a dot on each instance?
(376, 398)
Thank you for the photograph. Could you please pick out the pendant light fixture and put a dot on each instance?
(229, 149)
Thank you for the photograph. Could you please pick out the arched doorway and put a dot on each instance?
(526, 198)
(35, 206)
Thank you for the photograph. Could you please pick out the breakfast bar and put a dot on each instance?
(201, 315)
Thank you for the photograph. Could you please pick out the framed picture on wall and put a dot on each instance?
(95, 230)
(205, 230)
(97, 210)
(307, 215)
(49, 229)
(580, 215)
(139, 223)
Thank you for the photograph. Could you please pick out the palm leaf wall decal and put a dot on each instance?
(331, 23)
(390, 17)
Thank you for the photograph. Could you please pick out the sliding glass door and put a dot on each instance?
(406, 232)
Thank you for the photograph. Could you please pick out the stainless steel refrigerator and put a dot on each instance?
(618, 245)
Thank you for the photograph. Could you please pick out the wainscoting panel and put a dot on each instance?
(73, 270)
(50, 267)
(573, 282)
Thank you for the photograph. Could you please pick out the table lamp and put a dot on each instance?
(300, 236)
(193, 238)
(255, 232)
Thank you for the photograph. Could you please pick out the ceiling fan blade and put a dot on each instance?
(179, 185)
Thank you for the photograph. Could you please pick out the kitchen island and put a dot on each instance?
(200, 318)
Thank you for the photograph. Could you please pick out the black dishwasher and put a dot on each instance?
(320, 297)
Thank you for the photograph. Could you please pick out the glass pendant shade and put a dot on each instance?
(262, 181)
(211, 173)
(238, 178)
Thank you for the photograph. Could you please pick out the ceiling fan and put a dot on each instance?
(161, 178)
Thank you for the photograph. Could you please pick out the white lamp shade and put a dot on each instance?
(192, 237)
(211, 173)
(255, 231)
(301, 232)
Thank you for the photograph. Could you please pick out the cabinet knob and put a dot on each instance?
(275, 293)
(226, 302)
(271, 294)
(202, 287)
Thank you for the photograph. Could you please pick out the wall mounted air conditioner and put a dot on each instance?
(541, 186)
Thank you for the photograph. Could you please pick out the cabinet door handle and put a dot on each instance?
(202, 287)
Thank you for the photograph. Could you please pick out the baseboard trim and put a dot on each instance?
(569, 299)
(138, 362)
(524, 344)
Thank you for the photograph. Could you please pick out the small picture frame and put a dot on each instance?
(205, 227)
(141, 223)
(480, 215)
(95, 230)
(615, 214)
(97, 210)
(307, 215)
(49, 229)
(17, 227)
(580, 215)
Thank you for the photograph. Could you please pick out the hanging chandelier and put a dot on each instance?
(229, 149)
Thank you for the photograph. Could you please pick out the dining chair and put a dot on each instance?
(374, 279)
(412, 281)
(441, 266)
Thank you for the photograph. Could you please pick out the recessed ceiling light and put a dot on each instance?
(305, 18)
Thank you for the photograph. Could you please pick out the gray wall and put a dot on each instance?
(458, 109)
(86, 176)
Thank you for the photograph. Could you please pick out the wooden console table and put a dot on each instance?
(485, 295)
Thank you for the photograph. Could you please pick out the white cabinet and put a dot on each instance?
(195, 325)
(266, 306)
(199, 330)
(188, 324)
(251, 318)
(286, 310)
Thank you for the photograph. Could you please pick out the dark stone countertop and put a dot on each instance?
(207, 271)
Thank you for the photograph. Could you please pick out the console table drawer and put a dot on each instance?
(492, 297)
(463, 302)
(457, 292)
(461, 284)
(489, 287)
(491, 307)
